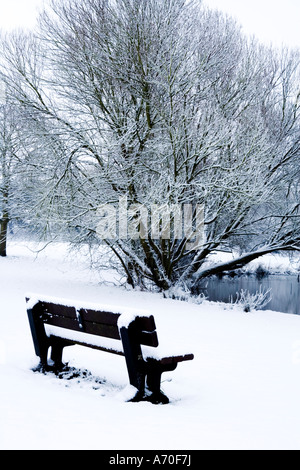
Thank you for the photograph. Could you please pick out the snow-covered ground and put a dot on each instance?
(240, 392)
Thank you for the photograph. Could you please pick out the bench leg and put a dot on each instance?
(154, 373)
(43, 365)
(56, 354)
(40, 339)
(134, 362)
(57, 347)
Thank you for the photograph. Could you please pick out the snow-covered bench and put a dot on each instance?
(57, 323)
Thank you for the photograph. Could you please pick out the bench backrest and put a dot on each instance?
(96, 322)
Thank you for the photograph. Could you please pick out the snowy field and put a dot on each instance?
(240, 392)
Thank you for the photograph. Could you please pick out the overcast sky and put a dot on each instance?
(276, 21)
(18, 13)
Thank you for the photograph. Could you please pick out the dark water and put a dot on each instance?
(285, 291)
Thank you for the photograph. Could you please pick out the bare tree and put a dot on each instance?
(160, 103)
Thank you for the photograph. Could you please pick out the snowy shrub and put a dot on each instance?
(184, 294)
(256, 301)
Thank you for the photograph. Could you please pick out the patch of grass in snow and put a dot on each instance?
(74, 376)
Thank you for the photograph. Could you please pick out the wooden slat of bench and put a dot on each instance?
(97, 322)
(59, 310)
(98, 316)
(63, 322)
(98, 329)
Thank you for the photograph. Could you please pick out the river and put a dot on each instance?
(285, 291)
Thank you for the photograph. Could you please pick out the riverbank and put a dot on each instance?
(275, 277)
(272, 264)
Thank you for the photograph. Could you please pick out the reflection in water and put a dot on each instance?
(285, 291)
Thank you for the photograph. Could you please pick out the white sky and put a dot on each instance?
(271, 21)
(18, 13)
(276, 21)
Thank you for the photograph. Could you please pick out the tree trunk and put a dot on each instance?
(238, 262)
(3, 234)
